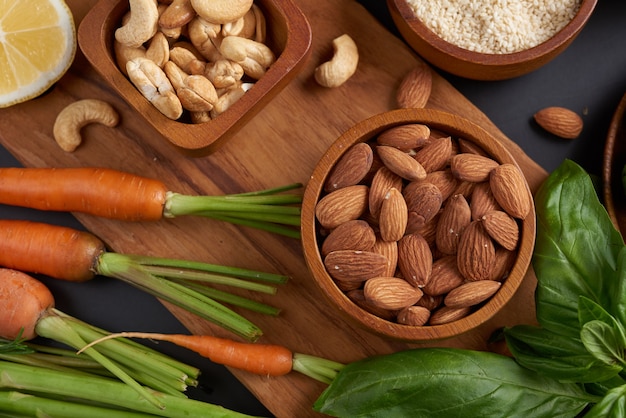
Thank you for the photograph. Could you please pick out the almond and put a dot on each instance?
(445, 276)
(444, 180)
(413, 316)
(446, 314)
(405, 137)
(505, 260)
(472, 167)
(415, 88)
(342, 205)
(510, 191)
(471, 293)
(391, 293)
(390, 250)
(423, 200)
(430, 302)
(358, 297)
(560, 121)
(351, 168)
(482, 201)
(435, 155)
(383, 180)
(502, 228)
(415, 259)
(470, 147)
(401, 163)
(350, 266)
(476, 253)
(455, 216)
(393, 216)
(351, 235)
(428, 230)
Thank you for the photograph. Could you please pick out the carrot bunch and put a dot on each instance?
(65, 253)
(119, 195)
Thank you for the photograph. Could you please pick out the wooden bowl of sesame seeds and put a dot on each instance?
(486, 41)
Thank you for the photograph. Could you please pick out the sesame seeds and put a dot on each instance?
(495, 26)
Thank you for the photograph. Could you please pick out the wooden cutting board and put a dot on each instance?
(280, 145)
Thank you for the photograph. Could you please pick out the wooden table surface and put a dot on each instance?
(280, 145)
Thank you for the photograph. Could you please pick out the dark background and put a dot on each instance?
(589, 78)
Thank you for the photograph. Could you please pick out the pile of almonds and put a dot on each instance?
(418, 227)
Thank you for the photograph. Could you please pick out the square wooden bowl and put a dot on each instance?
(313, 234)
(289, 36)
(482, 66)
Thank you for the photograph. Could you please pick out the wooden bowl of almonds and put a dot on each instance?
(418, 225)
(196, 70)
(490, 40)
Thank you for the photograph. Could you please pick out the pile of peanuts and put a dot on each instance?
(193, 57)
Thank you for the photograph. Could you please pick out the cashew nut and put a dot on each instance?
(177, 14)
(221, 11)
(171, 34)
(187, 61)
(197, 94)
(343, 64)
(223, 73)
(205, 37)
(254, 57)
(245, 26)
(152, 82)
(142, 24)
(175, 74)
(228, 97)
(75, 116)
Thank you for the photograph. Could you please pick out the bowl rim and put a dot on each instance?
(560, 38)
(196, 139)
(362, 132)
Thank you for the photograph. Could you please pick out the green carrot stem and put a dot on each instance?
(178, 205)
(270, 218)
(318, 368)
(270, 191)
(103, 391)
(31, 405)
(265, 226)
(234, 300)
(123, 268)
(207, 267)
(58, 329)
(209, 278)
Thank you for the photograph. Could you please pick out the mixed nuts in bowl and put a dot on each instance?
(418, 225)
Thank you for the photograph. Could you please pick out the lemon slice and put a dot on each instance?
(37, 46)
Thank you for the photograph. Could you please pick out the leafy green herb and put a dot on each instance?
(15, 346)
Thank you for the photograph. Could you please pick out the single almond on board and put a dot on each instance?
(471, 293)
(435, 155)
(415, 88)
(393, 216)
(502, 228)
(444, 277)
(560, 121)
(510, 191)
(349, 265)
(401, 163)
(342, 205)
(351, 168)
(476, 253)
(405, 137)
(383, 180)
(482, 201)
(415, 259)
(446, 314)
(351, 235)
(413, 315)
(472, 167)
(423, 200)
(455, 216)
(391, 293)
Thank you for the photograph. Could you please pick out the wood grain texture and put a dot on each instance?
(280, 145)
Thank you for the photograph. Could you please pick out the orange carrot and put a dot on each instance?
(118, 195)
(68, 254)
(23, 300)
(261, 359)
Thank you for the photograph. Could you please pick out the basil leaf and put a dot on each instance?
(557, 356)
(575, 251)
(447, 382)
(589, 311)
(602, 341)
(613, 405)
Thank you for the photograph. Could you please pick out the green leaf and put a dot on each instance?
(613, 405)
(560, 357)
(603, 342)
(576, 250)
(589, 310)
(447, 382)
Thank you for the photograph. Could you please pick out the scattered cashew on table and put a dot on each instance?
(75, 116)
(343, 64)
